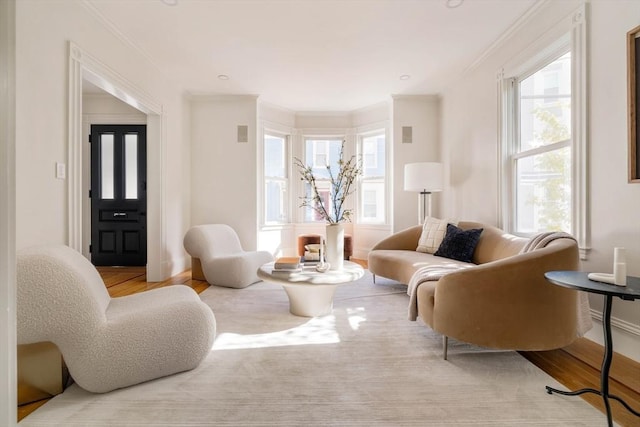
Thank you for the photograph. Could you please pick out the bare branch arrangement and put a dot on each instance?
(340, 185)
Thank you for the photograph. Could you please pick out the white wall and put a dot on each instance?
(43, 32)
(614, 202)
(422, 114)
(223, 177)
(470, 135)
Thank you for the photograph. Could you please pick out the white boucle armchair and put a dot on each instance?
(217, 256)
(108, 343)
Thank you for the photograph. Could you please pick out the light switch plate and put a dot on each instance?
(61, 170)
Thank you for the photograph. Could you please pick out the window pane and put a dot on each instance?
(373, 156)
(373, 202)
(372, 183)
(545, 105)
(274, 156)
(311, 214)
(321, 153)
(544, 192)
(131, 165)
(275, 201)
(106, 166)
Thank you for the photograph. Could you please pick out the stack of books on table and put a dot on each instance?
(287, 264)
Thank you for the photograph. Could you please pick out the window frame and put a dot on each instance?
(384, 180)
(288, 158)
(517, 152)
(568, 35)
(326, 139)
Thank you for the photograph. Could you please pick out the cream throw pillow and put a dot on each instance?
(433, 232)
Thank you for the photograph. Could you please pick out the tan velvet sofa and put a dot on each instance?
(502, 302)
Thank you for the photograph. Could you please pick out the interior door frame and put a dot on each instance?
(84, 66)
(87, 121)
(8, 338)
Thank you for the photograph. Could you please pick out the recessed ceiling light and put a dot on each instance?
(405, 77)
(223, 77)
(452, 4)
(170, 2)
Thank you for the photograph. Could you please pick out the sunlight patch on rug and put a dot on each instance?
(318, 330)
(356, 317)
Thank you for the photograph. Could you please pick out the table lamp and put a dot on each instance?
(425, 178)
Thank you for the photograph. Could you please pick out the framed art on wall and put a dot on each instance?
(633, 77)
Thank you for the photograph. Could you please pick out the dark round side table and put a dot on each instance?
(579, 280)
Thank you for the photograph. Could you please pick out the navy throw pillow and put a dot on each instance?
(459, 244)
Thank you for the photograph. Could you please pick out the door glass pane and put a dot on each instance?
(544, 192)
(131, 165)
(106, 166)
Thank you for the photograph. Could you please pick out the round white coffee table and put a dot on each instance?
(310, 292)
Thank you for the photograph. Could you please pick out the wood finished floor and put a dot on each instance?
(575, 366)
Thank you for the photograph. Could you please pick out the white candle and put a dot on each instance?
(619, 255)
(620, 274)
(620, 266)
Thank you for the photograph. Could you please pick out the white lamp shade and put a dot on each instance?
(423, 176)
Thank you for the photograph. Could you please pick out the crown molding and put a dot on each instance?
(113, 29)
(506, 35)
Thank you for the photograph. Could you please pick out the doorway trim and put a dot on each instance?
(84, 66)
(8, 335)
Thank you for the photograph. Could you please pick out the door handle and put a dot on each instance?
(117, 214)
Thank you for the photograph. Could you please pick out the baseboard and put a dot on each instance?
(174, 266)
(618, 323)
(625, 335)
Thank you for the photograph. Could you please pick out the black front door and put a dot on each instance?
(118, 195)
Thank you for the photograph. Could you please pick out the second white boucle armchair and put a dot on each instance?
(217, 256)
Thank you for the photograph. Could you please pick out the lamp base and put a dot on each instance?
(424, 206)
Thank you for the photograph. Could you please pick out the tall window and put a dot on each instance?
(544, 132)
(322, 154)
(541, 156)
(372, 184)
(275, 179)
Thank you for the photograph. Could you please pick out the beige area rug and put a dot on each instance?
(364, 365)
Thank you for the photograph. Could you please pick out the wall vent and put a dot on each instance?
(243, 133)
(407, 134)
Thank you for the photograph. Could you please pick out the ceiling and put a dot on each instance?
(312, 55)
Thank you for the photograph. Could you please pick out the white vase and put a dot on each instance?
(335, 246)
